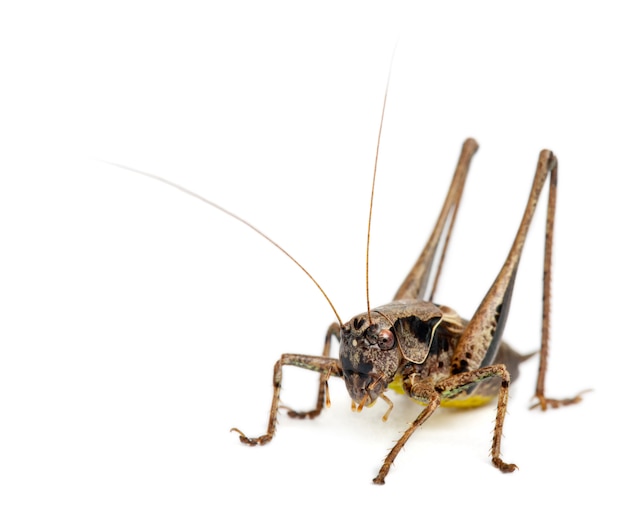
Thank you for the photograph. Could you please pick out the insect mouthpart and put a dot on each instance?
(363, 388)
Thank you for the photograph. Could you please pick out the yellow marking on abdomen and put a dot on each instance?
(472, 401)
(468, 402)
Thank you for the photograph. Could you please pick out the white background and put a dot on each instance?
(138, 325)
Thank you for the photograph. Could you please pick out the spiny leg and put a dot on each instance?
(323, 398)
(542, 400)
(449, 387)
(320, 364)
(457, 383)
(478, 344)
(422, 392)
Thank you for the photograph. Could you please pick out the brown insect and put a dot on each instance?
(422, 349)
(427, 351)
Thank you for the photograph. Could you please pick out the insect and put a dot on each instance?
(425, 350)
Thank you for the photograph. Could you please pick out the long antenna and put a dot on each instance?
(234, 216)
(369, 220)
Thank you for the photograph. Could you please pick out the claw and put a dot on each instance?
(505, 468)
(262, 440)
(311, 414)
(546, 403)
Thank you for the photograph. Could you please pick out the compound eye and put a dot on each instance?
(386, 339)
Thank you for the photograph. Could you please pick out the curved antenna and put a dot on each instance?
(234, 216)
(369, 220)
